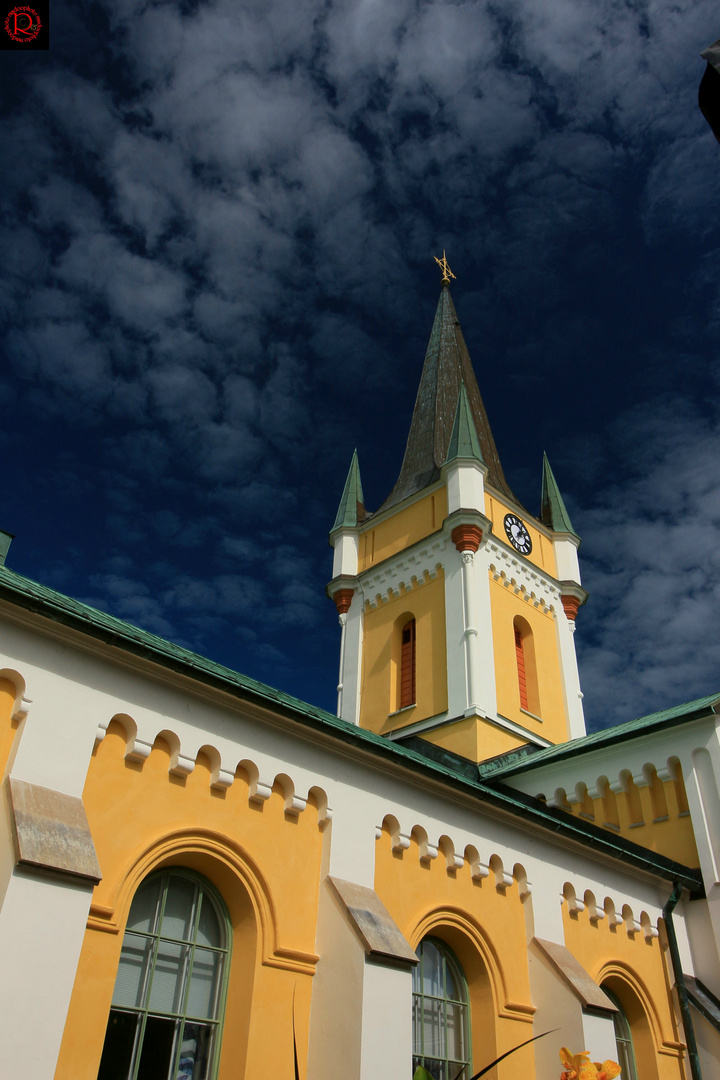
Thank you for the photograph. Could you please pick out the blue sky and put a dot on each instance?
(217, 280)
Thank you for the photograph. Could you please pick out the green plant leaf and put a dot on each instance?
(506, 1054)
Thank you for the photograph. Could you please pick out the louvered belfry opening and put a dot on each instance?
(407, 665)
(522, 679)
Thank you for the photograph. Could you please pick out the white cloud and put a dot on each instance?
(651, 562)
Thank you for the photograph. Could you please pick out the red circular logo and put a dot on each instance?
(23, 24)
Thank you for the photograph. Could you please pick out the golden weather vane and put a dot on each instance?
(446, 271)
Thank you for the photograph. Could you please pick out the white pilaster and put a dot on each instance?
(570, 674)
(485, 651)
(599, 1036)
(42, 927)
(470, 633)
(351, 661)
(454, 634)
(386, 1052)
(466, 486)
(346, 545)
(566, 558)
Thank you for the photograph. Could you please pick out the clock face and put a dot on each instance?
(517, 534)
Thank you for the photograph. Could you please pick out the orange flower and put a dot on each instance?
(579, 1067)
(608, 1070)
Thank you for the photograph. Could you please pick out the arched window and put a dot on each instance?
(166, 1015)
(623, 1040)
(526, 668)
(407, 664)
(441, 1025)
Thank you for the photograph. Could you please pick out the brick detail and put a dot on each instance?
(570, 605)
(343, 600)
(466, 537)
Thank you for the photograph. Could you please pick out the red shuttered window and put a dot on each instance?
(522, 680)
(407, 665)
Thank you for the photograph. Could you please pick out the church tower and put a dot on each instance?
(457, 606)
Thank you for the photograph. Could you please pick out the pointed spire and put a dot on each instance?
(464, 442)
(351, 510)
(447, 365)
(552, 507)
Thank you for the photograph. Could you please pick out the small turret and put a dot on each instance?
(351, 510)
(553, 512)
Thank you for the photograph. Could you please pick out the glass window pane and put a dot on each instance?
(119, 1044)
(168, 979)
(177, 920)
(143, 912)
(432, 965)
(130, 985)
(433, 1028)
(209, 932)
(157, 1055)
(452, 986)
(195, 1051)
(456, 1028)
(204, 982)
(417, 1031)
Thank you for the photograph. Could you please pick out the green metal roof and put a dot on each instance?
(464, 442)
(552, 508)
(31, 596)
(513, 763)
(352, 504)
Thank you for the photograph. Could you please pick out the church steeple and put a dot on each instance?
(456, 605)
(447, 366)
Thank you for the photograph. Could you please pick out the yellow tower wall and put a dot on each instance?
(474, 738)
(381, 657)
(542, 554)
(404, 528)
(506, 604)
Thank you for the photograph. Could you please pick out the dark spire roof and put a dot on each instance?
(552, 507)
(351, 510)
(464, 442)
(447, 365)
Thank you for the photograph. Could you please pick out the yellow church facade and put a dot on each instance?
(203, 878)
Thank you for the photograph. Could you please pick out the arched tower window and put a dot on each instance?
(166, 1015)
(623, 1040)
(526, 667)
(441, 1024)
(407, 664)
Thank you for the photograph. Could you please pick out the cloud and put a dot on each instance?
(651, 563)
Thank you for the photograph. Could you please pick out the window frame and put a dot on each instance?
(179, 1017)
(452, 1066)
(624, 1038)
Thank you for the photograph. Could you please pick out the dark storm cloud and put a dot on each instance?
(207, 243)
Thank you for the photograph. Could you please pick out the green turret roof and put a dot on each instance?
(464, 442)
(552, 507)
(351, 510)
(447, 365)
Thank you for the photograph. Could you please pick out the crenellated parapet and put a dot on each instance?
(220, 773)
(454, 856)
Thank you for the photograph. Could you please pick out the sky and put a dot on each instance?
(217, 279)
